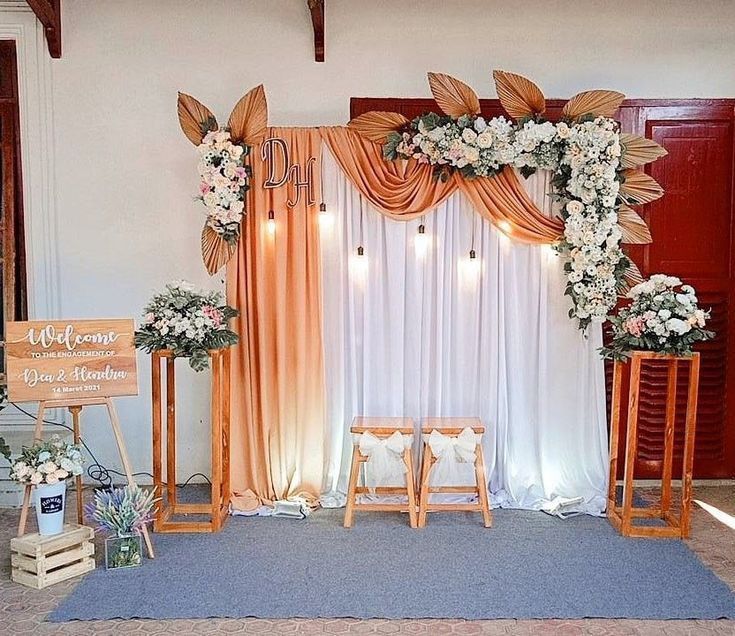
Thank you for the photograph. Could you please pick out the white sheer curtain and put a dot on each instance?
(430, 336)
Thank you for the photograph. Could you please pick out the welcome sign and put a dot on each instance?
(70, 359)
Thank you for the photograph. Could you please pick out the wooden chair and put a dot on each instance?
(451, 427)
(382, 428)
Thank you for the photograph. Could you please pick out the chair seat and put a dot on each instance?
(451, 425)
(382, 425)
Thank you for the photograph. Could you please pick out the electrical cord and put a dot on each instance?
(97, 471)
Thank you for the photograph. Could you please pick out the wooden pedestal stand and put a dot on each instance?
(218, 507)
(622, 516)
(76, 406)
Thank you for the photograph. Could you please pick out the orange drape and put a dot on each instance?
(406, 189)
(278, 371)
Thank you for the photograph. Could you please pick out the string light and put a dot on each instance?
(326, 220)
(422, 242)
(469, 268)
(358, 263)
(271, 223)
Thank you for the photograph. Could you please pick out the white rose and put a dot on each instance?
(480, 124)
(469, 135)
(575, 207)
(48, 468)
(36, 478)
(52, 478)
(678, 326)
(562, 130)
(485, 139)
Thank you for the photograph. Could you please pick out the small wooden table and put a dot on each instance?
(218, 507)
(451, 427)
(621, 517)
(382, 428)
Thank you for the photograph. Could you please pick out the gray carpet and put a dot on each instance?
(529, 565)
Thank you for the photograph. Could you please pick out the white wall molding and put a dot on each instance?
(18, 23)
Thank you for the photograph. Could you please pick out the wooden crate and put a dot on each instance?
(39, 561)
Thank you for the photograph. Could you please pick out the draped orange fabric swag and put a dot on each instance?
(277, 368)
(404, 190)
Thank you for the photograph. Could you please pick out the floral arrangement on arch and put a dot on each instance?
(595, 180)
(188, 322)
(663, 316)
(223, 170)
(47, 462)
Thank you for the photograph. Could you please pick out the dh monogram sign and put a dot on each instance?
(298, 178)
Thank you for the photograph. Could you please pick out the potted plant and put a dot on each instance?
(663, 317)
(121, 513)
(188, 322)
(47, 465)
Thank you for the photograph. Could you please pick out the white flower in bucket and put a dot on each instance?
(47, 465)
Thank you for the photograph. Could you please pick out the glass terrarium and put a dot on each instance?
(123, 551)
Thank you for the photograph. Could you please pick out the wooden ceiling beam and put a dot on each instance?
(48, 13)
(317, 21)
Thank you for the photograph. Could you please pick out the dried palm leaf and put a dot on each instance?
(377, 124)
(631, 277)
(598, 103)
(249, 119)
(634, 228)
(640, 188)
(216, 251)
(195, 118)
(519, 96)
(638, 151)
(454, 98)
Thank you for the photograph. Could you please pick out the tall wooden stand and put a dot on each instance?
(622, 516)
(218, 507)
(76, 406)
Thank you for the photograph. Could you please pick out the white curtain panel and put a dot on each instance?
(431, 336)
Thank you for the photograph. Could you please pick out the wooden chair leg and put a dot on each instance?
(410, 487)
(351, 494)
(424, 486)
(481, 479)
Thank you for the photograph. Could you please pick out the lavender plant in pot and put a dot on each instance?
(121, 513)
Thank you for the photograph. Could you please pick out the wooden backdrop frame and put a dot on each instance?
(218, 508)
(622, 516)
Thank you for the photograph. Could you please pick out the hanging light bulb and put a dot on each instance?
(271, 223)
(469, 269)
(326, 220)
(359, 265)
(422, 242)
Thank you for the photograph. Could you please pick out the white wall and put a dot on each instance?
(125, 174)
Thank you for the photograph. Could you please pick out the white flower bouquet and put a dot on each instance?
(224, 180)
(47, 463)
(188, 322)
(663, 317)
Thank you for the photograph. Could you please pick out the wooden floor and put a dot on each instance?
(22, 610)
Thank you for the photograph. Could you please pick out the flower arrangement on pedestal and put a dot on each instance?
(188, 322)
(122, 514)
(47, 465)
(663, 317)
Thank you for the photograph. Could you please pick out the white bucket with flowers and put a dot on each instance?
(47, 465)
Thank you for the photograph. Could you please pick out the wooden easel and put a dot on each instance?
(75, 407)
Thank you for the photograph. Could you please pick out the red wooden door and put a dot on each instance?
(693, 230)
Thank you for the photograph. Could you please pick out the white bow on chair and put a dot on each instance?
(385, 465)
(451, 451)
(459, 448)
